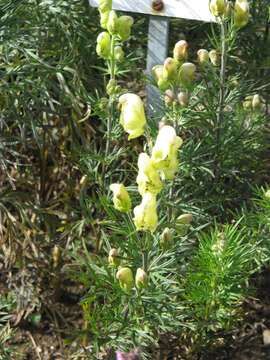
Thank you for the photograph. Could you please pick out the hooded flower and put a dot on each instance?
(164, 154)
(103, 48)
(124, 24)
(148, 178)
(145, 214)
(121, 199)
(180, 51)
(241, 13)
(218, 7)
(132, 115)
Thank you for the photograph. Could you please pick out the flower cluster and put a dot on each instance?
(224, 9)
(117, 29)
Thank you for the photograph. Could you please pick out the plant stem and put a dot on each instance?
(220, 112)
(111, 68)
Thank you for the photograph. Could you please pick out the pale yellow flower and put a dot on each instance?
(148, 178)
(218, 7)
(132, 116)
(164, 154)
(241, 13)
(141, 279)
(121, 199)
(145, 214)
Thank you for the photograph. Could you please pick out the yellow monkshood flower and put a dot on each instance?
(218, 7)
(124, 24)
(241, 13)
(105, 5)
(148, 178)
(164, 154)
(145, 214)
(170, 69)
(126, 279)
(121, 199)
(132, 116)
(103, 48)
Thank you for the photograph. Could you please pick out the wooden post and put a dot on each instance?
(158, 35)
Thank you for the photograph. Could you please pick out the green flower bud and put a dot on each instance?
(166, 238)
(111, 86)
(180, 51)
(132, 116)
(113, 259)
(218, 7)
(125, 277)
(121, 198)
(203, 56)
(145, 214)
(184, 219)
(183, 98)
(241, 13)
(170, 69)
(141, 279)
(163, 84)
(187, 74)
(157, 72)
(112, 22)
(124, 25)
(119, 53)
(214, 57)
(267, 194)
(104, 45)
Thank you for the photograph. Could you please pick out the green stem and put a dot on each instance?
(111, 68)
(220, 112)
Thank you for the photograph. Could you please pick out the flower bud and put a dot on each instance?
(119, 53)
(256, 102)
(184, 219)
(125, 277)
(170, 69)
(145, 214)
(132, 116)
(183, 98)
(169, 97)
(124, 25)
(180, 52)
(187, 74)
(157, 72)
(111, 86)
(214, 57)
(112, 22)
(113, 259)
(121, 199)
(166, 238)
(267, 194)
(241, 13)
(148, 178)
(218, 7)
(103, 48)
(203, 56)
(141, 279)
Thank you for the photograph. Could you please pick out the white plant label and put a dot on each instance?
(185, 9)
